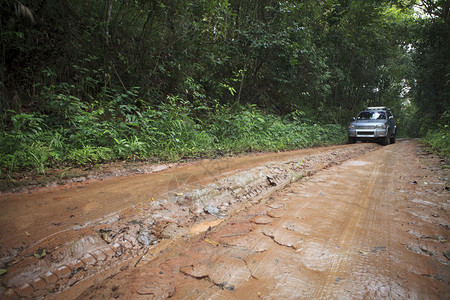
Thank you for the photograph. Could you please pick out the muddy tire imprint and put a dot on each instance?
(350, 231)
(144, 230)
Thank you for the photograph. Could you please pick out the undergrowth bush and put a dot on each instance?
(438, 140)
(69, 131)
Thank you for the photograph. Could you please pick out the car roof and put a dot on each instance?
(377, 108)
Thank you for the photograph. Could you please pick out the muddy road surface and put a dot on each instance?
(353, 221)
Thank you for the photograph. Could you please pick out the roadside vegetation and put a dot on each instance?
(69, 131)
(85, 82)
(439, 140)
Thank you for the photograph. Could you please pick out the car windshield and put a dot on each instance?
(372, 115)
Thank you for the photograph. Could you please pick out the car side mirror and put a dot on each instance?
(354, 119)
(391, 117)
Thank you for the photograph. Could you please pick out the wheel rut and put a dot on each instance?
(334, 225)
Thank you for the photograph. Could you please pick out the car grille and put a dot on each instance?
(366, 126)
(365, 133)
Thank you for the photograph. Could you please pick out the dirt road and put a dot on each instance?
(353, 221)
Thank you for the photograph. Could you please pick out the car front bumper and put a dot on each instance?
(368, 133)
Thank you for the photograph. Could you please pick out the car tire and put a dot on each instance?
(386, 140)
(351, 140)
(392, 140)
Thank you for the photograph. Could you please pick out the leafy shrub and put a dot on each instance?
(78, 133)
(439, 140)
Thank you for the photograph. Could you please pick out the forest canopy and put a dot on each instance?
(114, 70)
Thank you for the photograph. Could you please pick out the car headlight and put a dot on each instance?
(351, 126)
(381, 126)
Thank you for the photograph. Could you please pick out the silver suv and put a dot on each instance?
(373, 124)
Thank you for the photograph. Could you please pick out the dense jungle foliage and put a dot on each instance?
(87, 81)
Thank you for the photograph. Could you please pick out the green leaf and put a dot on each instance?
(3, 271)
(40, 254)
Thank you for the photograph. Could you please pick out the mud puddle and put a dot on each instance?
(55, 238)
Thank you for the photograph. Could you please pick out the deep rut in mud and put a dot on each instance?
(78, 250)
(154, 244)
(357, 230)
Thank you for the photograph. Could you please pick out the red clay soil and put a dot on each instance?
(353, 221)
(373, 227)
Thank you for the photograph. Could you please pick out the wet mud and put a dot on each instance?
(355, 221)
